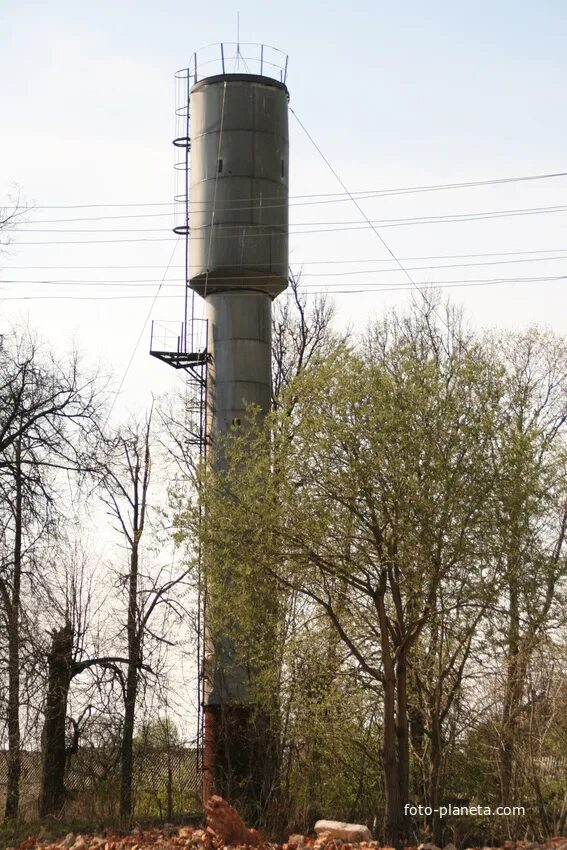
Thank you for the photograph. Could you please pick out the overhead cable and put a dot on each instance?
(398, 190)
(382, 287)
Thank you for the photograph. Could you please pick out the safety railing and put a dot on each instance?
(170, 337)
(236, 58)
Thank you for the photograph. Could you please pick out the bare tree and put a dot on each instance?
(126, 495)
(74, 649)
(11, 598)
(533, 517)
(48, 412)
(9, 219)
(301, 331)
(46, 399)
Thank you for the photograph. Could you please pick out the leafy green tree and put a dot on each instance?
(368, 498)
(160, 734)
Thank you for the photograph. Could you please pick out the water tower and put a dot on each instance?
(233, 200)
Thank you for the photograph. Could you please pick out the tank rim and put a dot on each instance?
(234, 78)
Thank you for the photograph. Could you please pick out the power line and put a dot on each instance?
(98, 241)
(128, 283)
(352, 272)
(384, 222)
(98, 218)
(360, 209)
(316, 227)
(378, 192)
(320, 262)
(464, 281)
(394, 287)
(434, 286)
(227, 206)
(146, 320)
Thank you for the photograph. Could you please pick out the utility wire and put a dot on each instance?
(320, 291)
(324, 262)
(384, 222)
(399, 190)
(363, 214)
(315, 229)
(304, 275)
(146, 320)
(200, 207)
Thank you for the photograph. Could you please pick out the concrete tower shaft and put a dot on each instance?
(238, 200)
(232, 194)
(240, 345)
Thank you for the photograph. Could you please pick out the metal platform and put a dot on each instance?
(184, 347)
(181, 359)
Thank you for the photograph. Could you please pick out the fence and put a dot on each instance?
(166, 783)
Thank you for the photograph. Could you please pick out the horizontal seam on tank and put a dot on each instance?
(230, 340)
(238, 275)
(270, 180)
(196, 214)
(241, 290)
(242, 381)
(250, 130)
(240, 224)
(198, 284)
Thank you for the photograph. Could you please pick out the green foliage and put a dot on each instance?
(161, 734)
(376, 527)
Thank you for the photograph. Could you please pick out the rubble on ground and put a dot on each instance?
(225, 828)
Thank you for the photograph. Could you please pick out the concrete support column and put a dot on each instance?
(239, 342)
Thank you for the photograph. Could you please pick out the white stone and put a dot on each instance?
(351, 832)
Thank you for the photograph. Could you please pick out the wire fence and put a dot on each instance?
(166, 783)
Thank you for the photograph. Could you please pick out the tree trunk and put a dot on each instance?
(127, 763)
(52, 792)
(512, 697)
(390, 762)
(391, 766)
(14, 761)
(434, 779)
(127, 760)
(402, 730)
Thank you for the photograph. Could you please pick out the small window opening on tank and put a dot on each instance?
(220, 166)
(283, 168)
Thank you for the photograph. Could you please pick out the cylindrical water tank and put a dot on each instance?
(239, 184)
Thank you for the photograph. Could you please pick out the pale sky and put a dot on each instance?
(395, 95)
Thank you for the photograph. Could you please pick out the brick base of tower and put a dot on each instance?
(240, 759)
